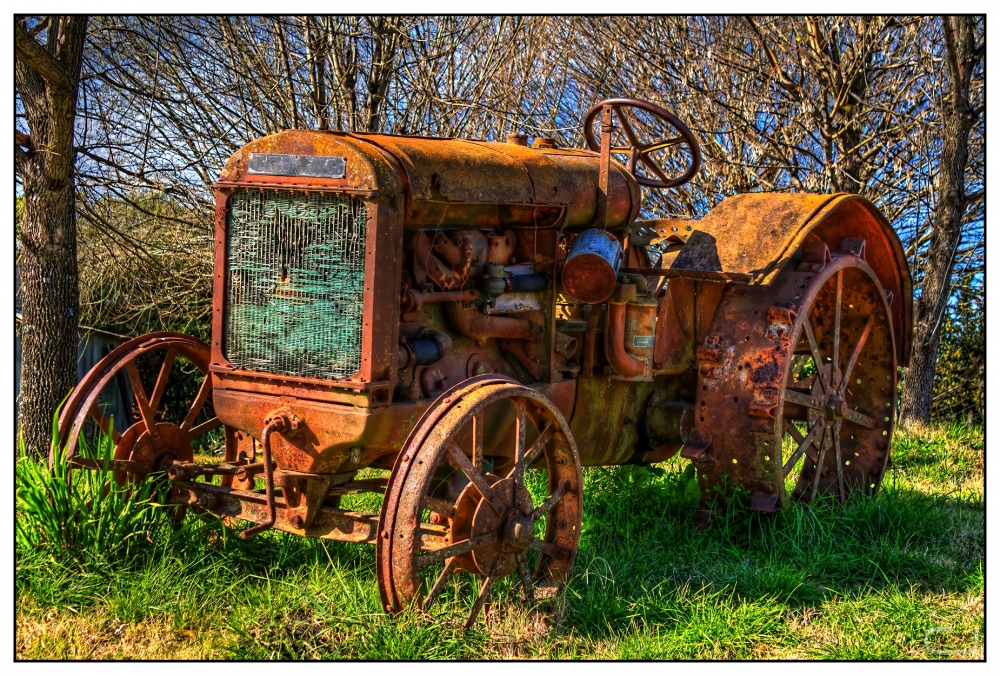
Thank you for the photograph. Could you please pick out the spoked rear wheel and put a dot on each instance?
(840, 417)
(797, 383)
(157, 436)
(494, 527)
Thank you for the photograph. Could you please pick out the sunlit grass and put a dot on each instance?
(896, 576)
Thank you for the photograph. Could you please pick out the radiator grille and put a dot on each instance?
(295, 283)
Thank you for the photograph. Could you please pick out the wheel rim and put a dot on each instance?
(150, 440)
(759, 423)
(493, 524)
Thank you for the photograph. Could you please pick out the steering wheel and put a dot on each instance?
(640, 152)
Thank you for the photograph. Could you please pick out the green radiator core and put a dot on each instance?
(295, 267)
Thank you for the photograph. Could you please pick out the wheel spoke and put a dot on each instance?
(793, 397)
(484, 594)
(519, 430)
(840, 464)
(522, 566)
(204, 428)
(551, 502)
(463, 463)
(547, 548)
(819, 465)
(439, 506)
(627, 128)
(660, 145)
(836, 323)
(450, 566)
(856, 354)
(139, 391)
(427, 558)
(817, 358)
(793, 431)
(477, 440)
(859, 418)
(196, 406)
(531, 456)
(161, 380)
(104, 423)
(652, 165)
(803, 445)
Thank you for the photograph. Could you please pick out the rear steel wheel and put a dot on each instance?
(797, 384)
(151, 442)
(494, 523)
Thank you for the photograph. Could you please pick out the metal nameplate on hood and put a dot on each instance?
(297, 165)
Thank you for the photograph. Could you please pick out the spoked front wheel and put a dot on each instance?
(494, 527)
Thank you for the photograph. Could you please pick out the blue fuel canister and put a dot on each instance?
(591, 269)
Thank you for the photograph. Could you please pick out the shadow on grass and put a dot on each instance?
(642, 558)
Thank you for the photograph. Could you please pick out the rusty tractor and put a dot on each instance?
(429, 319)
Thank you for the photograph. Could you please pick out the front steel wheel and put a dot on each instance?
(494, 524)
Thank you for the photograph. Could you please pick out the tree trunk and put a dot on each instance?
(49, 301)
(47, 78)
(918, 383)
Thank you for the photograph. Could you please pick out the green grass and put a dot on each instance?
(898, 576)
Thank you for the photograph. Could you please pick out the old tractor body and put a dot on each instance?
(460, 312)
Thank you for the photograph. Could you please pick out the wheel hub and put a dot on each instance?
(515, 530)
(518, 532)
(835, 408)
(138, 445)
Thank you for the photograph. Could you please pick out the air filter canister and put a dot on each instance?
(591, 269)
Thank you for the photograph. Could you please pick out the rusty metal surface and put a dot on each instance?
(500, 528)
(370, 171)
(329, 523)
(625, 365)
(607, 419)
(747, 398)
(758, 234)
(453, 181)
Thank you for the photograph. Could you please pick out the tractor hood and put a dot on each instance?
(445, 181)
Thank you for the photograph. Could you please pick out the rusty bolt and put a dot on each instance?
(207, 500)
(296, 521)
